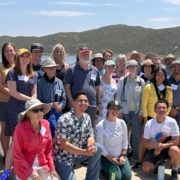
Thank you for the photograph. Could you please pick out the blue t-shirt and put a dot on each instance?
(83, 80)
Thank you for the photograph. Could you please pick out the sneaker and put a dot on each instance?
(5, 175)
(174, 175)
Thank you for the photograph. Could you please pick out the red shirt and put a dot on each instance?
(27, 144)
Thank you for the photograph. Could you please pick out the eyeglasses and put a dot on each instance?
(37, 110)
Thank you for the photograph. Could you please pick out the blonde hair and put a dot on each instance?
(60, 46)
(121, 57)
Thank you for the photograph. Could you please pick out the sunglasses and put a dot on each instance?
(37, 110)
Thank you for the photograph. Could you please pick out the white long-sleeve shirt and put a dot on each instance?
(112, 136)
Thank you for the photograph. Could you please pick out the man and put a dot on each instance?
(36, 55)
(108, 54)
(161, 137)
(74, 141)
(167, 61)
(175, 85)
(82, 76)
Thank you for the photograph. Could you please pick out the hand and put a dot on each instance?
(56, 106)
(35, 175)
(114, 160)
(91, 149)
(54, 174)
(121, 160)
(173, 112)
(158, 150)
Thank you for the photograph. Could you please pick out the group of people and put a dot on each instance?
(96, 110)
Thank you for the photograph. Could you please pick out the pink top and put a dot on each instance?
(27, 144)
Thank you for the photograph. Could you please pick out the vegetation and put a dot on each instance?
(119, 38)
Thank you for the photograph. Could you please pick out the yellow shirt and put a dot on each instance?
(3, 73)
(149, 98)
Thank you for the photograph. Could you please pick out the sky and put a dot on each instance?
(44, 17)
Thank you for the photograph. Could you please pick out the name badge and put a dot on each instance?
(22, 78)
(161, 87)
(138, 88)
(58, 92)
(93, 77)
(174, 86)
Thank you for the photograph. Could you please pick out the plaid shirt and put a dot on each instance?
(75, 130)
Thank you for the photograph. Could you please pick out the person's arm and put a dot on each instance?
(3, 88)
(13, 92)
(149, 144)
(72, 149)
(34, 92)
(22, 168)
(169, 98)
(68, 94)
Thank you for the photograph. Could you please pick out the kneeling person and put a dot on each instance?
(161, 137)
(74, 141)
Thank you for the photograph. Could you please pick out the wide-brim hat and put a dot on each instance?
(176, 62)
(169, 56)
(97, 56)
(49, 63)
(31, 104)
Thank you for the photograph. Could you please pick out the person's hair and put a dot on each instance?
(109, 51)
(4, 60)
(152, 68)
(165, 82)
(79, 94)
(151, 55)
(164, 101)
(17, 67)
(60, 46)
(120, 57)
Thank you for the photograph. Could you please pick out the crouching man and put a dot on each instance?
(74, 142)
(161, 138)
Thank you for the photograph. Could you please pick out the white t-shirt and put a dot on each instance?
(112, 136)
(155, 131)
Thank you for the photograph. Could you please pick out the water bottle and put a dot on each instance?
(161, 171)
(113, 173)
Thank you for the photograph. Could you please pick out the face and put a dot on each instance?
(24, 59)
(161, 110)
(9, 53)
(81, 103)
(132, 70)
(169, 62)
(36, 55)
(113, 111)
(147, 69)
(160, 77)
(121, 64)
(98, 63)
(85, 57)
(157, 63)
(108, 56)
(135, 57)
(50, 72)
(176, 69)
(109, 69)
(36, 113)
(58, 54)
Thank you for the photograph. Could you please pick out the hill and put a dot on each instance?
(119, 38)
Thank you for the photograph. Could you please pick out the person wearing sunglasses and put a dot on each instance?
(32, 144)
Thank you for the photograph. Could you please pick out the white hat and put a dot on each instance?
(131, 63)
(49, 63)
(32, 104)
(109, 63)
(176, 62)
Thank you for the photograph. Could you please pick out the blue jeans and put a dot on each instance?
(67, 172)
(132, 120)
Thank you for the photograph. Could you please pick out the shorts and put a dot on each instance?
(3, 110)
(150, 156)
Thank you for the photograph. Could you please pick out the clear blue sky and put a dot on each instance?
(44, 17)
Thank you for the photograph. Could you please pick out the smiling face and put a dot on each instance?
(9, 54)
(36, 113)
(24, 59)
(161, 111)
(113, 111)
(81, 103)
(50, 72)
(160, 77)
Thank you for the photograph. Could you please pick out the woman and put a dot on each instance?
(158, 89)
(58, 54)
(8, 62)
(108, 88)
(111, 133)
(120, 70)
(32, 145)
(147, 68)
(21, 81)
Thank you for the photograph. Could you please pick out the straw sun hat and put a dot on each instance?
(31, 105)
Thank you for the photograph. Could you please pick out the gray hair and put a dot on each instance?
(59, 45)
(121, 57)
